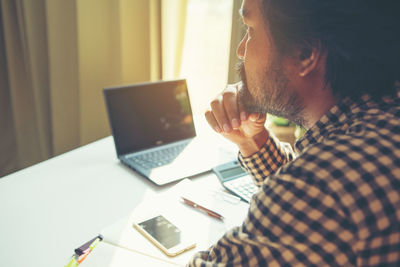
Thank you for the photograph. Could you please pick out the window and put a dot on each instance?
(205, 61)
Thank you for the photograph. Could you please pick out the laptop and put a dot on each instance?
(154, 133)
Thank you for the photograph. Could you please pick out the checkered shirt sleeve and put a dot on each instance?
(272, 155)
(336, 204)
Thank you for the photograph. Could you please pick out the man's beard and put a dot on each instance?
(272, 95)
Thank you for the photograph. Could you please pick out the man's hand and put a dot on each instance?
(228, 117)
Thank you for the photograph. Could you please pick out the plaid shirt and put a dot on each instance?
(336, 204)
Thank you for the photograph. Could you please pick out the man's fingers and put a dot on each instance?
(242, 112)
(257, 117)
(219, 114)
(212, 121)
(231, 107)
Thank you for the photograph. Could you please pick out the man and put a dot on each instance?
(331, 66)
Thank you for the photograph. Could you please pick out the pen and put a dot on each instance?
(81, 250)
(72, 263)
(197, 206)
(94, 244)
(82, 258)
(89, 249)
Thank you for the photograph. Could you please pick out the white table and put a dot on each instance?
(51, 208)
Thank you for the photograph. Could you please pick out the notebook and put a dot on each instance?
(203, 229)
(123, 245)
(154, 133)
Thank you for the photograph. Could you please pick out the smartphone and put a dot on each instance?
(164, 235)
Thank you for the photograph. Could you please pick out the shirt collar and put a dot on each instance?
(340, 115)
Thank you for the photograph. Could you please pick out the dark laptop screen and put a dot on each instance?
(148, 115)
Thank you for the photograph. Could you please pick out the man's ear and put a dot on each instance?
(308, 58)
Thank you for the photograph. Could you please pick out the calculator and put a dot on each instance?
(236, 180)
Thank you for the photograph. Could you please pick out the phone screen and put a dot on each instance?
(163, 231)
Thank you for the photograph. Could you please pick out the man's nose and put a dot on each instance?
(240, 51)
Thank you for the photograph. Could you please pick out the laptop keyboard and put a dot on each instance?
(158, 158)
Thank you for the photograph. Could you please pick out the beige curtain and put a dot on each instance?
(25, 137)
(173, 29)
(8, 158)
(56, 56)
